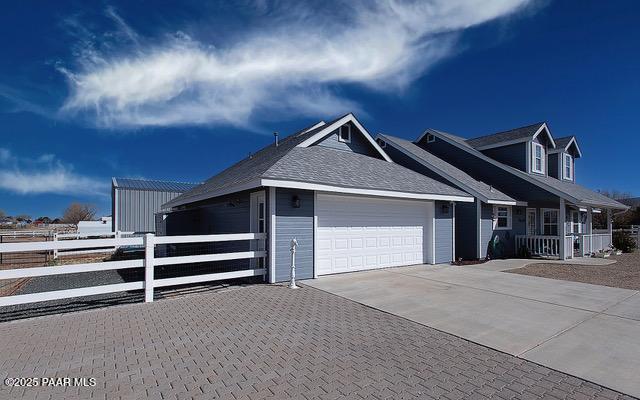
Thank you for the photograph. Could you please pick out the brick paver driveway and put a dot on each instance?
(264, 342)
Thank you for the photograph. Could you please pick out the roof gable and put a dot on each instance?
(329, 128)
(563, 144)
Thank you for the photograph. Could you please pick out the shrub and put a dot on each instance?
(524, 252)
(623, 241)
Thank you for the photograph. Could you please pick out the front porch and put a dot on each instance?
(564, 232)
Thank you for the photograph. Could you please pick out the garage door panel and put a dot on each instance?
(368, 233)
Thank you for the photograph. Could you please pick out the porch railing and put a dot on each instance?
(150, 260)
(539, 245)
(594, 243)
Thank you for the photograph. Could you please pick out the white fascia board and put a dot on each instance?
(232, 189)
(512, 170)
(431, 167)
(364, 192)
(544, 127)
(502, 203)
(330, 128)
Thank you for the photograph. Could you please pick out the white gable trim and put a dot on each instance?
(365, 192)
(566, 148)
(546, 129)
(330, 128)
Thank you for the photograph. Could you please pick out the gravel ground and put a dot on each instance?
(625, 273)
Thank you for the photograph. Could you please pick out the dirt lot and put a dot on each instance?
(625, 273)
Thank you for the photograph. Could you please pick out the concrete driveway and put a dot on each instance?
(589, 331)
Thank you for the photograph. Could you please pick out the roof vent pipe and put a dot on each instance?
(275, 136)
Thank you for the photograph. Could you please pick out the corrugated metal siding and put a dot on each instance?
(444, 232)
(358, 143)
(294, 222)
(135, 209)
(467, 230)
(514, 155)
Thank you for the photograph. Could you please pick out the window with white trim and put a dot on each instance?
(567, 170)
(431, 138)
(550, 222)
(502, 217)
(344, 134)
(538, 158)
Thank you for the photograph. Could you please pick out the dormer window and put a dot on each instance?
(538, 159)
(344, 134)
(567, 170)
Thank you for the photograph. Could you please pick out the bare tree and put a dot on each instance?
(77, 212)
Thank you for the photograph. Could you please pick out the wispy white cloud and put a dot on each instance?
(292, 65)
(45, 174)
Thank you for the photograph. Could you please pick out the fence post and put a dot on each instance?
(55, 241)
(149, 248)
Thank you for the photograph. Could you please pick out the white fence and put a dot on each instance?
(148, 242)
(539, 245)
(594, 243)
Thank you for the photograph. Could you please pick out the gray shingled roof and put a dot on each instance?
(505, 136)
(562, 142)
(453, 174)
(322, 165)
(288, 162)
(152, 185)
(573, 190)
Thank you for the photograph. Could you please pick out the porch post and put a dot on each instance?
(562, 225)
(610, 226)
(589, 229)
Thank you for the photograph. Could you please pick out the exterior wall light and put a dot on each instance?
(295, 201)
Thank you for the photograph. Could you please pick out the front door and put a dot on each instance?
(531, 221)
(258, 225)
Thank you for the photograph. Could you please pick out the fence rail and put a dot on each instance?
(148, 242)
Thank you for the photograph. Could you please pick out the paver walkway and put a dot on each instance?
(264, 341)
(589, 331)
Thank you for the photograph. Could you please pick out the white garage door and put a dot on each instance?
(358, 233)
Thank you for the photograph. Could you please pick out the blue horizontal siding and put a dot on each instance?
(294, 222)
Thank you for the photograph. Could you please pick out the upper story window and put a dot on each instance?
(344, 134)
(502, 217)
(567, 170)
(538, 158)
(431, 138)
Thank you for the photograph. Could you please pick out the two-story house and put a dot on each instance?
(523, 181)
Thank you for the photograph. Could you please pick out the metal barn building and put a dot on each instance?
(134, 202)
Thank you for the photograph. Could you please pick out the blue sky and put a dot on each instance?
(179, 91)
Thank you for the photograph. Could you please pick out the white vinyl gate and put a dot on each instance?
(359, 233)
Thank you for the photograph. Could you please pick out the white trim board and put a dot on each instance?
(330, 128)
(272, 234)
(365, 192)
